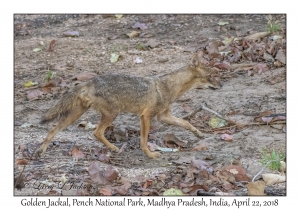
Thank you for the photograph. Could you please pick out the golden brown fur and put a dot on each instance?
(145, 96)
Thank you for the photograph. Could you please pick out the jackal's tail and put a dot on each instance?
(62, 108)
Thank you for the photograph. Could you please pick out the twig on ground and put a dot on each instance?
(204, 107)
(36, 106)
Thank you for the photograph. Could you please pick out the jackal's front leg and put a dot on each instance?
(145, 127)
(168, 118)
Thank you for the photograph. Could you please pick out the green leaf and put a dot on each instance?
(114, 58)
(118, 16)
(30, 83)
(216, 122)
(222, 23)
(173, 191)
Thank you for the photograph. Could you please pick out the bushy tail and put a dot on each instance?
(62, 107)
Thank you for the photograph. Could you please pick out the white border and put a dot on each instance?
(153, 6)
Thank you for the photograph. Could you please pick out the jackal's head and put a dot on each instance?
(206, 77)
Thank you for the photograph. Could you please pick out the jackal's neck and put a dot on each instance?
(178, 82)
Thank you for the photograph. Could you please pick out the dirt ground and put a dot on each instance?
(167, 44)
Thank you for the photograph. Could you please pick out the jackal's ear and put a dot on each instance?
(195, 61)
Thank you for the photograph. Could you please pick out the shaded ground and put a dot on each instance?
(173, 39)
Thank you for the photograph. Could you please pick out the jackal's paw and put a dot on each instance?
(114, 149)
(38, 154)
(153, 155)
(198, 134)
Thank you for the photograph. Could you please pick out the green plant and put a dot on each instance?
(113, 48)
(272, 159)
(140, 46)
(50, 75)
(273, 26)
(123, 47)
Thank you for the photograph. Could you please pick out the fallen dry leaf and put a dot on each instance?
(105, 191)
(147, 183)
(256, 188)
(76, 153)
(261, 68)
(225, 176)
(21, 162)
(52, 45)
(46, 90)
(257, 36)
(133, 34)
(202, 165)
(123, 189)
(213, 47)
(238, 172)
(224, 65)
(52, 192)
(54, 82)
(273, 178)
(171, 141)
(200, 147)
(34, 94)
(96, 174)
(110, 173)
(227, 137)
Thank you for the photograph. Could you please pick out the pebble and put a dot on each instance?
(134, 52)
(163, 60)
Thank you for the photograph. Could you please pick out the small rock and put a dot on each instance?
(157, 49)
(268, 57)
(134, 52)
(277, 126)
(152, 43)
(17, 123)
(163, 60)
(190, 49)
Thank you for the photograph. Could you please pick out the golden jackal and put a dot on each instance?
(146, 96)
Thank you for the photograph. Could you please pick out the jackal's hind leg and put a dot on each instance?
(63, 123)
(106, 120)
